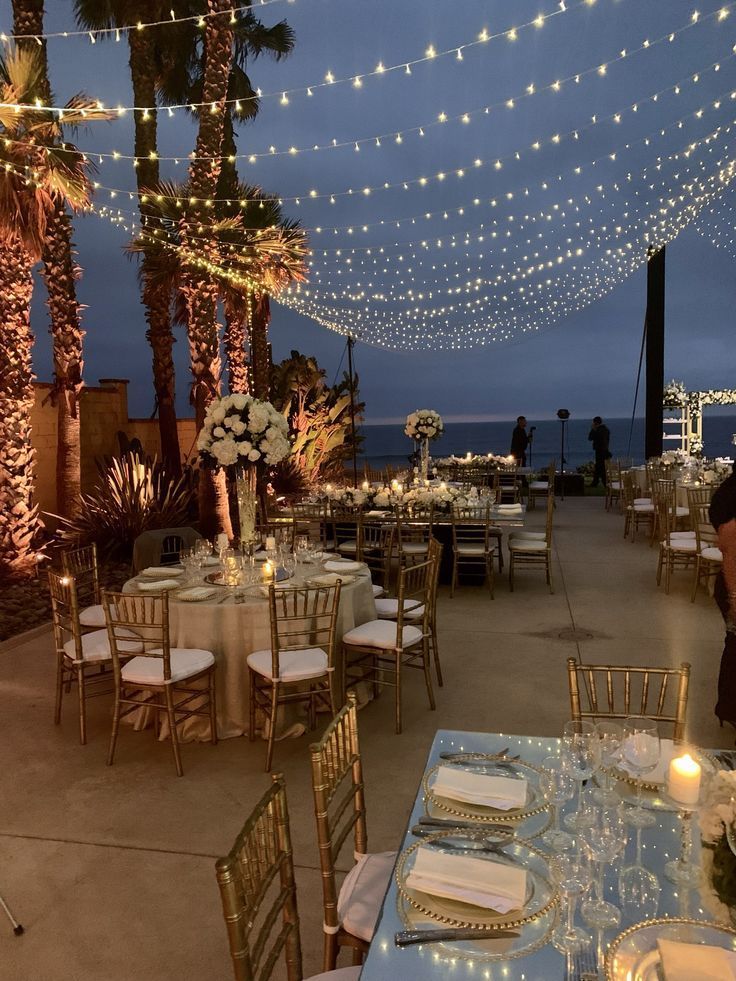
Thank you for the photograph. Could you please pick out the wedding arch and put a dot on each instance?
(685, 429)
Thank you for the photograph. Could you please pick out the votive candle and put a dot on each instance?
(683, 779)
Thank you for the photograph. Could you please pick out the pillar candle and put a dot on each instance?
(683, 780)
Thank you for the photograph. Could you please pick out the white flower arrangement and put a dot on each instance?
(675, 393)
(676, 458)
(241, 429)
(717, 812)
(476, 459)
(424, 424)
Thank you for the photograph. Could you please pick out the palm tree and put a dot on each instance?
(60, 273)
(153, 54)
(38, 176)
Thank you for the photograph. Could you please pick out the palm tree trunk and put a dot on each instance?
(201, 291)
(60, 273)
(236, 341)
(260, 348)
(160, 334)
(19, 522)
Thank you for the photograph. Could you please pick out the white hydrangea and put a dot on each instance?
(238, 426)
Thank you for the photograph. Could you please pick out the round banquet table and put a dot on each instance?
(233, 624)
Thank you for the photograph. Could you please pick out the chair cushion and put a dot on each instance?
(362, 892)
(674, 535)
(388, 609)
(477, 550)
(528, 545)
(378, 591)
(682, 544)
(93, 616)
(96, 646)
(682, 512)
(540, 485)
(642, 500)
(644, 508)
(712, 553)
(414, 548)
(615, 485)
(341, 974)
(350, 547)
(185, 663)
(381, 634)
(293, 665)
(532, 536)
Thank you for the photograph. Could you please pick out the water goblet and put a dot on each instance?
(604, 841)
(571, 873)
(558, 786)
(185, 560)
(578, 750)
(610, 735)
(203, 547)
(640, 751)
(638, 889)
(288, 562)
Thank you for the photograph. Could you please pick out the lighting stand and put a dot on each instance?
(563, 423)
(17, 928)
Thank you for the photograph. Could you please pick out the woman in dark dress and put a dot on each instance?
(723, 519)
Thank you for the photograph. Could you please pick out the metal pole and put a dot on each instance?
(655, 352)
(351, 377)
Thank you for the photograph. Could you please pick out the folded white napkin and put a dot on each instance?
(374, 514)
(158, 585)
(195, 594)
(480, 882)
(696, 962)
(510, 508)
(336, 566)
(503, 793)
(330, 578)
(659, 774)
(162, 570)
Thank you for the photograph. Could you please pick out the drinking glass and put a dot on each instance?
(640, 751)
(638, 889)
(558, 786)
(185, 559)
(578, 750)
(571, 873)
(301, 548)
(604, 840)
(203, 547)
(288, 562)
(609, 736)
(231, 565)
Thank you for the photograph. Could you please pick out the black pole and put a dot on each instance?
(655, 353)
(351, 377)
(638, 381)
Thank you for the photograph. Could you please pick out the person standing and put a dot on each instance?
(600, 436)
(723, 519)
(519, 441)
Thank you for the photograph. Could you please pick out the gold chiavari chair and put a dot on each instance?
(379, 650)
(677, 549)
(350, 912)
(372, 475)
(345, 528)
(377, 546)
(82, 564)
(176, 681)
(509, 483)
(472, 545)
(311, 519)
(299, 665)
(541, 488)
(283, 531)
(82, 657)
(616, 691)
(258, 893)
(613, 484)
(525, 550)
(708, 556)
(637, 511)
(413, 532)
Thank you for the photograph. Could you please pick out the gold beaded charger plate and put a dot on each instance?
(633, 954)
(220, 579)
(492, 765)
(540, 899)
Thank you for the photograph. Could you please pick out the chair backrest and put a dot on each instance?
(628, 490)
(145, 616)
(65, 611)
(435, 557)
(698, 500)
(258, 892)
(161, 546)
(346, 523)
(471, 525)
(303, 617)
(415, 591)
(665, 500)
(339, 801)
(82, 564)
(376, 548)
(617, 691)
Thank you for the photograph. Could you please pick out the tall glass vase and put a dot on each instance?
(245, 486)
(424, 458)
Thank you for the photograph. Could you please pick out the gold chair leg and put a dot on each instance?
(511, 572)
(489, 574)
(82, 706)
(397, 663)
(331, 950)
(436, 656)
(114, 731)
(173, 734)
(272, 725)
(59, 690)
(428, 674)
(213, 707)
(252, 707)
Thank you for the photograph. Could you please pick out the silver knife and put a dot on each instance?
(465, 825)
(406, 937)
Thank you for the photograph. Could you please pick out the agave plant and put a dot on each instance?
(132, 495)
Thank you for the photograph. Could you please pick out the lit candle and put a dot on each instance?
(426, 483)
(268, 569)
(366, 485)
(443, 485)
(468, 455)
(399, 488)
(328, 487)
(270, 543)
(683, 780)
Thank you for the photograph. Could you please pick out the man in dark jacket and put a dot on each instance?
(519, 441)
(600, 436)
(723, 519)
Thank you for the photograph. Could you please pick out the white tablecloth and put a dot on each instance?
(232, 630)
(640, 480)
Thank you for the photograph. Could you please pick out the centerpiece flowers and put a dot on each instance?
(244, 433)
(717, 819)
(422, 426)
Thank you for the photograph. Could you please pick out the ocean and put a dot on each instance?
(383, 445)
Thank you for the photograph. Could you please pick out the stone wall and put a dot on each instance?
(104, 413)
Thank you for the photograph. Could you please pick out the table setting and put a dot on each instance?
(607, 853)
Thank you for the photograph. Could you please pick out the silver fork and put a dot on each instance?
(585, 964)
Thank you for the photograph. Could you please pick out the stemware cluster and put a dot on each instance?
(596, 834)
(240, 565)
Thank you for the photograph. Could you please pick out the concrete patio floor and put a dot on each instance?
(111, 869)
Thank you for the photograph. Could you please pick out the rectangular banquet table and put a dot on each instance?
(438, 961)
(235, 623)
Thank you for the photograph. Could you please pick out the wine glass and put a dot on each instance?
(185, 559)
(604, 841)
(571, 873)
(558, 786)
(578, 750)
(638, 889)
(288, 562)
(610, 735)
(640, 751)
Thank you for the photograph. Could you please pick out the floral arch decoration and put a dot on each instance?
(692, 403)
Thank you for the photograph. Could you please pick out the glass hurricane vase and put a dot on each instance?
(424, 458)
(246, 494)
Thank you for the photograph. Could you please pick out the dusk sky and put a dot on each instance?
(585, 359)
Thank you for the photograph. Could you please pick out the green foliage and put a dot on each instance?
(318, 415)
(133, 495)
